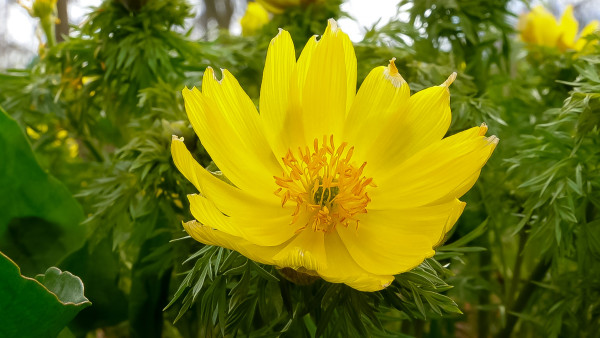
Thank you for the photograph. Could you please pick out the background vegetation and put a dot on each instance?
(88, 185)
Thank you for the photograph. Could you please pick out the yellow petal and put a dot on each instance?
(338, 268)
(434, 172)
(268, 226)
(306, 250)
(587, 30)
(568, 28)
(282, 123)
(527, 28)
(325, 91)
(303, 65)
(546, 28)
(425, 122)
(468, 183)
(382, 95)
(350, 62)
(229, 199)
(341, 268)
(229, 128)
(207, 235)
(389, 242)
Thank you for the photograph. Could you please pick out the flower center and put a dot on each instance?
(324, 184)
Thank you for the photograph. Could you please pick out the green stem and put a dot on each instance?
(483, 315)
(537, 275)
(95, 153)
(48, 27)
(419, 326)
(516, 280)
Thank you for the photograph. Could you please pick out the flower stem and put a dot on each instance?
(537, 275)
(514, 284)
(93, 151)
(47, 23)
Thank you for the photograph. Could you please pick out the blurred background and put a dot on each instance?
(91, 203)
(19, 42)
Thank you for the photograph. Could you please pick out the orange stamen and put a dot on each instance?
(325, 184)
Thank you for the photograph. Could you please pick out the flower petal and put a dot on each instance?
(303, 66)
(568, 29)
(229, 199)
(227, 123)
(341, 268)
(434, 172)
(326, 89)
(307, 250)
(546, 28)
(207, 235)
(265, 226)
(587, 30)
(389, 242)
(382, 95)
(282, 123)
(350, 62)
(425, 122)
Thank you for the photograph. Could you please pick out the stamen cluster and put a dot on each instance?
(324, 184)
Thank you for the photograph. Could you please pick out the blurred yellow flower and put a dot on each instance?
(539, 27)
(278, 6)
(35, 134)
(256, 16)
(73, 147)
(32, 133)
(352, 187)
(62, 134)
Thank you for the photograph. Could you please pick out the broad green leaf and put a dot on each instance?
(39, 307)
(35, 206)
(98, 268)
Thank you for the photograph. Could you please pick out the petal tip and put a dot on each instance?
(210, 71)
(176, 138)
(392, 75)
(492, 140)
(483, 129)
(449, 80)
(332, 25)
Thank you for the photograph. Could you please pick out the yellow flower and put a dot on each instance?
(352, 187)
(539, 27)
(256, 16)
(73, 147)
(32, 133)
(278, 6)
